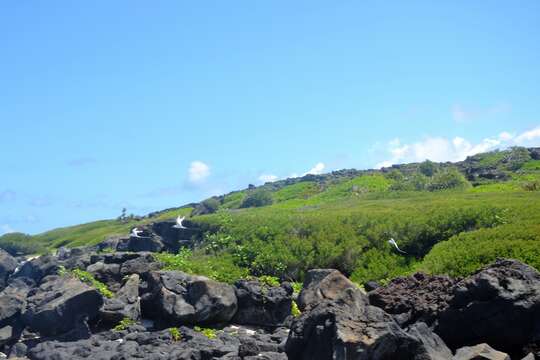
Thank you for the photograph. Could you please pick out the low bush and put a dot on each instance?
(124, 324)
(257, 198)
(220, 268)
(89, 279)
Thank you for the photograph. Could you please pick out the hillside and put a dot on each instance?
(448, 217)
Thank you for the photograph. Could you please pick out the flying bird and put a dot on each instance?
(179, 221)
(136, 232)
(393, 243)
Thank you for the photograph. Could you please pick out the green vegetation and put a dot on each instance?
(257, 198)
(79, 235)
(89, 279)
(208, 332)
(270, 281)
(301, 190)
(175, 334)
(449, 218)
(220, 268)
(124, 324)
(295, 311)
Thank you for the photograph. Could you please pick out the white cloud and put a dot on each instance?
(264, 178)
(5, 229)
(317, 169)
(528, 136)
(442, 149)
(198, 171)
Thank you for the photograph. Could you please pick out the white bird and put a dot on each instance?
(136, 232)
(179, 221)
(393, 242)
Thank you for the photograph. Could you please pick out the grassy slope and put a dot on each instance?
(345, 224)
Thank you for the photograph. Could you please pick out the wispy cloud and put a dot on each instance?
(317, 169)
(198, 172)
(264, 178)
(7, 196)
(461, 113)
(82, 161)
(442, 149)
(6, 229)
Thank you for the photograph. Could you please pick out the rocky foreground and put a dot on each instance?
(49, 309)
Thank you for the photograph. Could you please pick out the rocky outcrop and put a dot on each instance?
(262, 305)
(125, 304)
(416, 298)
(499, 305)
(44, 315)
(60, 304)
(341, 325)
(326, 284)
(480, 352)
(178, 298)
(174, 238)
(8, 264)
(137, 343)
(12, 304)
(38, 267)
(146, 242)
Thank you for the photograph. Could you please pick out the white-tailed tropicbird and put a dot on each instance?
(136, 232)
(179, 221)
(393, 242)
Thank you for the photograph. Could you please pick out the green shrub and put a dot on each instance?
(297, 287)
(531, 185)
(124, 324)
(257, 198)
(270, 281)
(175, 334)
(380, 265)
(295, 311)
(21, 244)
(413, 182)
(217, 267)
(427, 168)
(89, 279)
(446, 179)
(208, 332)
(465, 253)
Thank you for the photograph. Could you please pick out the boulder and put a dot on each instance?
(325, 284)
(371, 285)
(117, 257)
(106, 273)
(60, 304)
(12, 304)
(174, 297)
(480, 352)
(147, 241)
(126, 303)
(259, 304)
(344, 327)
(498, 305)
(139, 344)
(8, 264)
(174, 238)
(141, 264)
(38, 267)
(415, 298)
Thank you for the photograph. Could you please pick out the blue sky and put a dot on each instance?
(149, 105)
